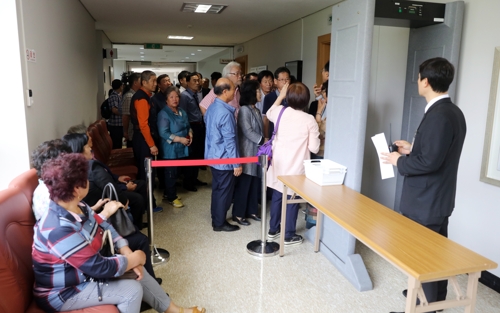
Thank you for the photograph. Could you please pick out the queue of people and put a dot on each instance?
(159, 121)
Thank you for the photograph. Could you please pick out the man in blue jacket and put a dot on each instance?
(222, 143)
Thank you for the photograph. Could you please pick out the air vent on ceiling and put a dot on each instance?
(202, 8)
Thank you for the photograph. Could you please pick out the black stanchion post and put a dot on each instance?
(263, 248)
(158, 255)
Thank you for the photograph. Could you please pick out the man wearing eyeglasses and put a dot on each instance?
(233, 72)
(281, 77)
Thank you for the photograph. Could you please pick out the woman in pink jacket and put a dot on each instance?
(296, 138)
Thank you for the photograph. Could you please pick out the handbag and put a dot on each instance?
(108, 250)
(267, 148)
(120, 220)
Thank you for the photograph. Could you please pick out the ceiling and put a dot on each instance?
(166, 54)
(152, 21)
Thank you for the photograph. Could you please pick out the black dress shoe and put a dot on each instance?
(190, 188)
(255, 217)
(198, 182)
(227, 227)
(241, 221)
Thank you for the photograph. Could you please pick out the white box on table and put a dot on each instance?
(325, 172)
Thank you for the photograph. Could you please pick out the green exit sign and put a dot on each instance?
(153, 46)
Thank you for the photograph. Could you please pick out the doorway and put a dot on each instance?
(323, 55)
(243, 60)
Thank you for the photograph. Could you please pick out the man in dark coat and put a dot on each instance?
(430, 164)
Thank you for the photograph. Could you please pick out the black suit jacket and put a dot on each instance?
(430, 169)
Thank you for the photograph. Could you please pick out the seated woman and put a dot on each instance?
(130, 193)
(176, 137)
(51, 149)
(250, 136)
(69, 271)
(297, 136)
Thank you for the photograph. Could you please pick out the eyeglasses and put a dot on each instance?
(239, 74)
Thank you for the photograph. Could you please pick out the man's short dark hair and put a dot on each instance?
(250, 75)
(133, 78)
(182, 75)
(48, 150)
(280, 70)
(218, 90)
(215, 75)
(439, 73)
(189, 75)
(264, 73)
(116, 84)
(326, 68)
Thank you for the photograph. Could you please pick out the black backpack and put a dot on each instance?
(106, 109)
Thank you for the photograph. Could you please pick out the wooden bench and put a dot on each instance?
(418, 252)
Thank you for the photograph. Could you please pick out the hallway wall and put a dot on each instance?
(63, 78)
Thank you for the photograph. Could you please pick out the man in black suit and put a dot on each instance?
(430, 164)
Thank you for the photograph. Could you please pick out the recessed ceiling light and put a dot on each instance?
(142, 52)
(192, 54)
(142, 48)
(180, 37)
(187, 57)
(202, 8)
(199, 49)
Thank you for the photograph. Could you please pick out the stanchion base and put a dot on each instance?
(159, 256)
(256, 248)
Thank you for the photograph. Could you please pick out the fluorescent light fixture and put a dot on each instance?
(199, 49)
(202, 8)
(180, 37)
(192, 54)
(187, 57)
(142, 48)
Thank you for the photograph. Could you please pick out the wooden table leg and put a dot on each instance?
(472, 291)
(319, 222)
(283, 219)
(411, 297)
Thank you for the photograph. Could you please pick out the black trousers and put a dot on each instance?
(223, 182)
(246, 193)
(435, 291)
(116, 134)
(141, 152)
(196, 152)
(139, 241)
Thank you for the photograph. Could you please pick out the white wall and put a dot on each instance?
(212, 64)
(63, 78)
(476, 218)
(14, 152)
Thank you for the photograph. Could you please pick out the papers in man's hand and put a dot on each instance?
(381, 146)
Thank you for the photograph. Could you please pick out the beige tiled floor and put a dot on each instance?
(214, 270)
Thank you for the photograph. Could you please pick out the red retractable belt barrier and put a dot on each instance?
(204, 162)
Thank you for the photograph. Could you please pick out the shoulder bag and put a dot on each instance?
(120, 220)
(267, 148)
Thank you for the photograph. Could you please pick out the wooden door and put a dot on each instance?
(323, 55)
(243, 60)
